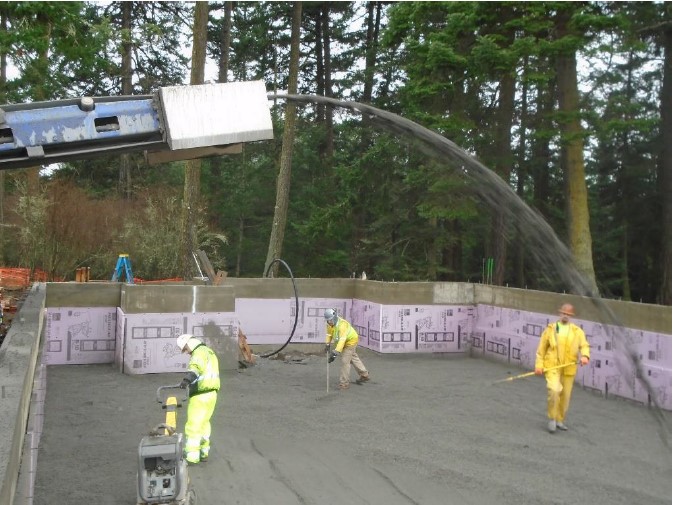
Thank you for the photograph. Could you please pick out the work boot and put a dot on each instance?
(364, 378)
(191, 460)
(562, 426)
(343, 386)
(552, 426)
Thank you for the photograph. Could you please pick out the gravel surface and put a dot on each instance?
(427, 429)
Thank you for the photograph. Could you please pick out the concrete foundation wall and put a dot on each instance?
(197, 298)
(18, 359)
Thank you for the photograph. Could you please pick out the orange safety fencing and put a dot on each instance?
(138, 280)
(19, 278)
(22, 278)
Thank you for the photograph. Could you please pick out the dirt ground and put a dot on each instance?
(427, 429)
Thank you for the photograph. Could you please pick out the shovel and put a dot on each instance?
(528, 374)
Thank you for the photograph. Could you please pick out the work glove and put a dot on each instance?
(332, 357)
(327, 348)
(584, 360)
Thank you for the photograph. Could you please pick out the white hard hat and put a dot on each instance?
(182, 340)
(330, 315)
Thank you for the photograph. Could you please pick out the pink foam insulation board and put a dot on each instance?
(424, 328)
(148, 341)
(79, 335)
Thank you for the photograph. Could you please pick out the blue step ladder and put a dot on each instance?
(123, 265)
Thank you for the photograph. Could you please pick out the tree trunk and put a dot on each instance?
(225, 43)
(665, 170)
(625, 275)
(283, 185)
(3, 54)
(215, 161)
(541, 155)
(33, 174)
(3, 98)
(503, 153)
(126, 89)
(364, 193)
(320, 67)
(503, 168)
(328, 83)
(572, 162)
(623, 182)
(191, 191)
(239, 245)
(373, 14)
(197, 70)
(432, 260)
(522, 176)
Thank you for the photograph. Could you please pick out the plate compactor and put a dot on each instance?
(162, 470)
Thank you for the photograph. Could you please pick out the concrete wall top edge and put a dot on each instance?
(395, 293)
(83, 294)
(170, 298)
(644, 316)
(221, 298)
(282, 287)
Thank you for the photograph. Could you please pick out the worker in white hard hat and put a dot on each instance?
(345, 338)
(203, 383)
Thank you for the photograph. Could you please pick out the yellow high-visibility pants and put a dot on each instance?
(198, 428)
(559, 389)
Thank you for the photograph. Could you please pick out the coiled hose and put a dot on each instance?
(297, 306)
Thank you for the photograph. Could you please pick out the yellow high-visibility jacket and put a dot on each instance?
(205, 366)
(555, 349)
(342, 334)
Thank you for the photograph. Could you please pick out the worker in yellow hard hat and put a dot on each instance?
(203, 383)
(561, 342)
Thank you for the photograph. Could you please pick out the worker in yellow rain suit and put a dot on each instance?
(345, 338)
(202, 379)
(560, 343)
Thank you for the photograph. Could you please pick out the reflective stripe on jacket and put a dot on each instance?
(342, 334)
(555, 349)
(205, 365)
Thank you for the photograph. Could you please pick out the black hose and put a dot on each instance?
(297, 306)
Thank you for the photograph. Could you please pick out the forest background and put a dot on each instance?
(570, 103)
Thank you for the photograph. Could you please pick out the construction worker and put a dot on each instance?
(560, 343)
(202, 380)
(345, 339)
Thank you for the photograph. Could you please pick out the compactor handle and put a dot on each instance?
(162, 399)
(163, 429)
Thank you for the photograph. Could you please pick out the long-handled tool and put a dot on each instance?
(528, 374)
(328, 367)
